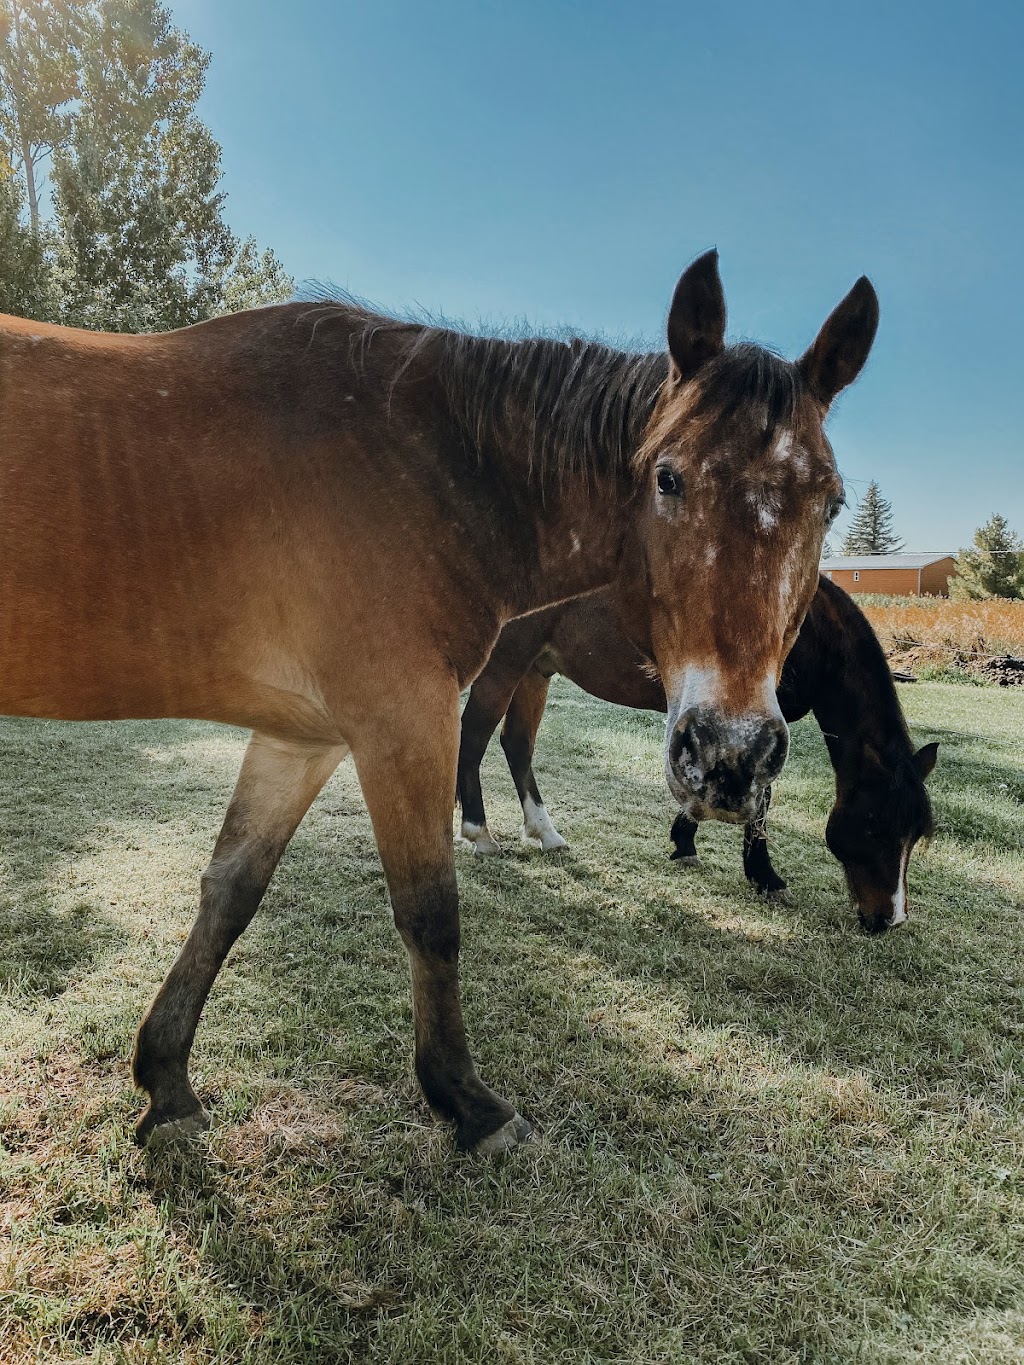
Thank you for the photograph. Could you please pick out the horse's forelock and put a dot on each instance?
(744, 385)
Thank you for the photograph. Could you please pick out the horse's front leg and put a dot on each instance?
(683, 834)
(276, 786)
(757, 863)
(407, 771)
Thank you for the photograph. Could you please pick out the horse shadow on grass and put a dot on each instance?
(606, 1022)
(72, 796)
(570, 964)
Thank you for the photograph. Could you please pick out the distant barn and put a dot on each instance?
(905, 575)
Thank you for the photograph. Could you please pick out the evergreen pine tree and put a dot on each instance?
(871, 531)
(995, 565)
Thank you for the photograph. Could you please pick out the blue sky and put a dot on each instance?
(561, 162)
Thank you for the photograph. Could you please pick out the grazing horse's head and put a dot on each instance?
(740, 486)
(881, 811)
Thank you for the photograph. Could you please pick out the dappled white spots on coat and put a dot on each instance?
(788, 451)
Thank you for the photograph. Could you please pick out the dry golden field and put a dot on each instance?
(934, 634)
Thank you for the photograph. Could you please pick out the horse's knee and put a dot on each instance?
(427, 919)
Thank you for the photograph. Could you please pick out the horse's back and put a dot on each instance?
(174, 509)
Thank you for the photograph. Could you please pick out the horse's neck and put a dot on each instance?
(556, 425)
(573, 545)
(855, 702)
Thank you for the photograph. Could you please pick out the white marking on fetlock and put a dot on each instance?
(480, 838)
(538, 829)
(508, 1136)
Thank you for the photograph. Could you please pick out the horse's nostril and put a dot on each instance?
(874, 926)
(675, 748)
(778, 749)
(693, 742)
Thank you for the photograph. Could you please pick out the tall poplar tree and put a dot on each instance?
(131, 226)
(40, 55)
(25, 281)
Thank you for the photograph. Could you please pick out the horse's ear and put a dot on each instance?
(696, 319)
(924, 759)
(841, 347)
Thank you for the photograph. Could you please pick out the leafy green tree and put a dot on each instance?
(871, 531)
(40, 50)
(135, 239)
(143, 241)
(994, 567)
(254, 278)
(25, 282)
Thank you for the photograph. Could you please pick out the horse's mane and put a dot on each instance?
(570, 404)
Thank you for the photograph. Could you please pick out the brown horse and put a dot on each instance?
(312, 520)
(836, 669)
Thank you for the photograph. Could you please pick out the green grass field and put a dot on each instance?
(764, 1136)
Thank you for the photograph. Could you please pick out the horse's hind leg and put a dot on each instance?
(480, 719)
(276, 786)
(757, 863)
(407, 772)
(489, 699)
(519, 739)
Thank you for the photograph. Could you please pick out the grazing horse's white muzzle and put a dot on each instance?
(718, 763)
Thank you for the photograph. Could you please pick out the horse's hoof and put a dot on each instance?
(151, 1129)
(686, 859)
(538, 828)
(549, 843)
(478, 837)
(511, 1134)
(778, 895)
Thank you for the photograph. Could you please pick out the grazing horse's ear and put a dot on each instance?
(841, 347)
(924, 759)
(696, 319)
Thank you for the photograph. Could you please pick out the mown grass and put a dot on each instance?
(764, 1136)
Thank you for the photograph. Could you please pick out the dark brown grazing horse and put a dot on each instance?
(836, 669)
(313, 521)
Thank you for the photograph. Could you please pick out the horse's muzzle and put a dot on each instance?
(718, 765)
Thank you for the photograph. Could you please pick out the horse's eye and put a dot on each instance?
(669, 482)
(832, 509)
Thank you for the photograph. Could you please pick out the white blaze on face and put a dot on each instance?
(899, 900)
(537, 827)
